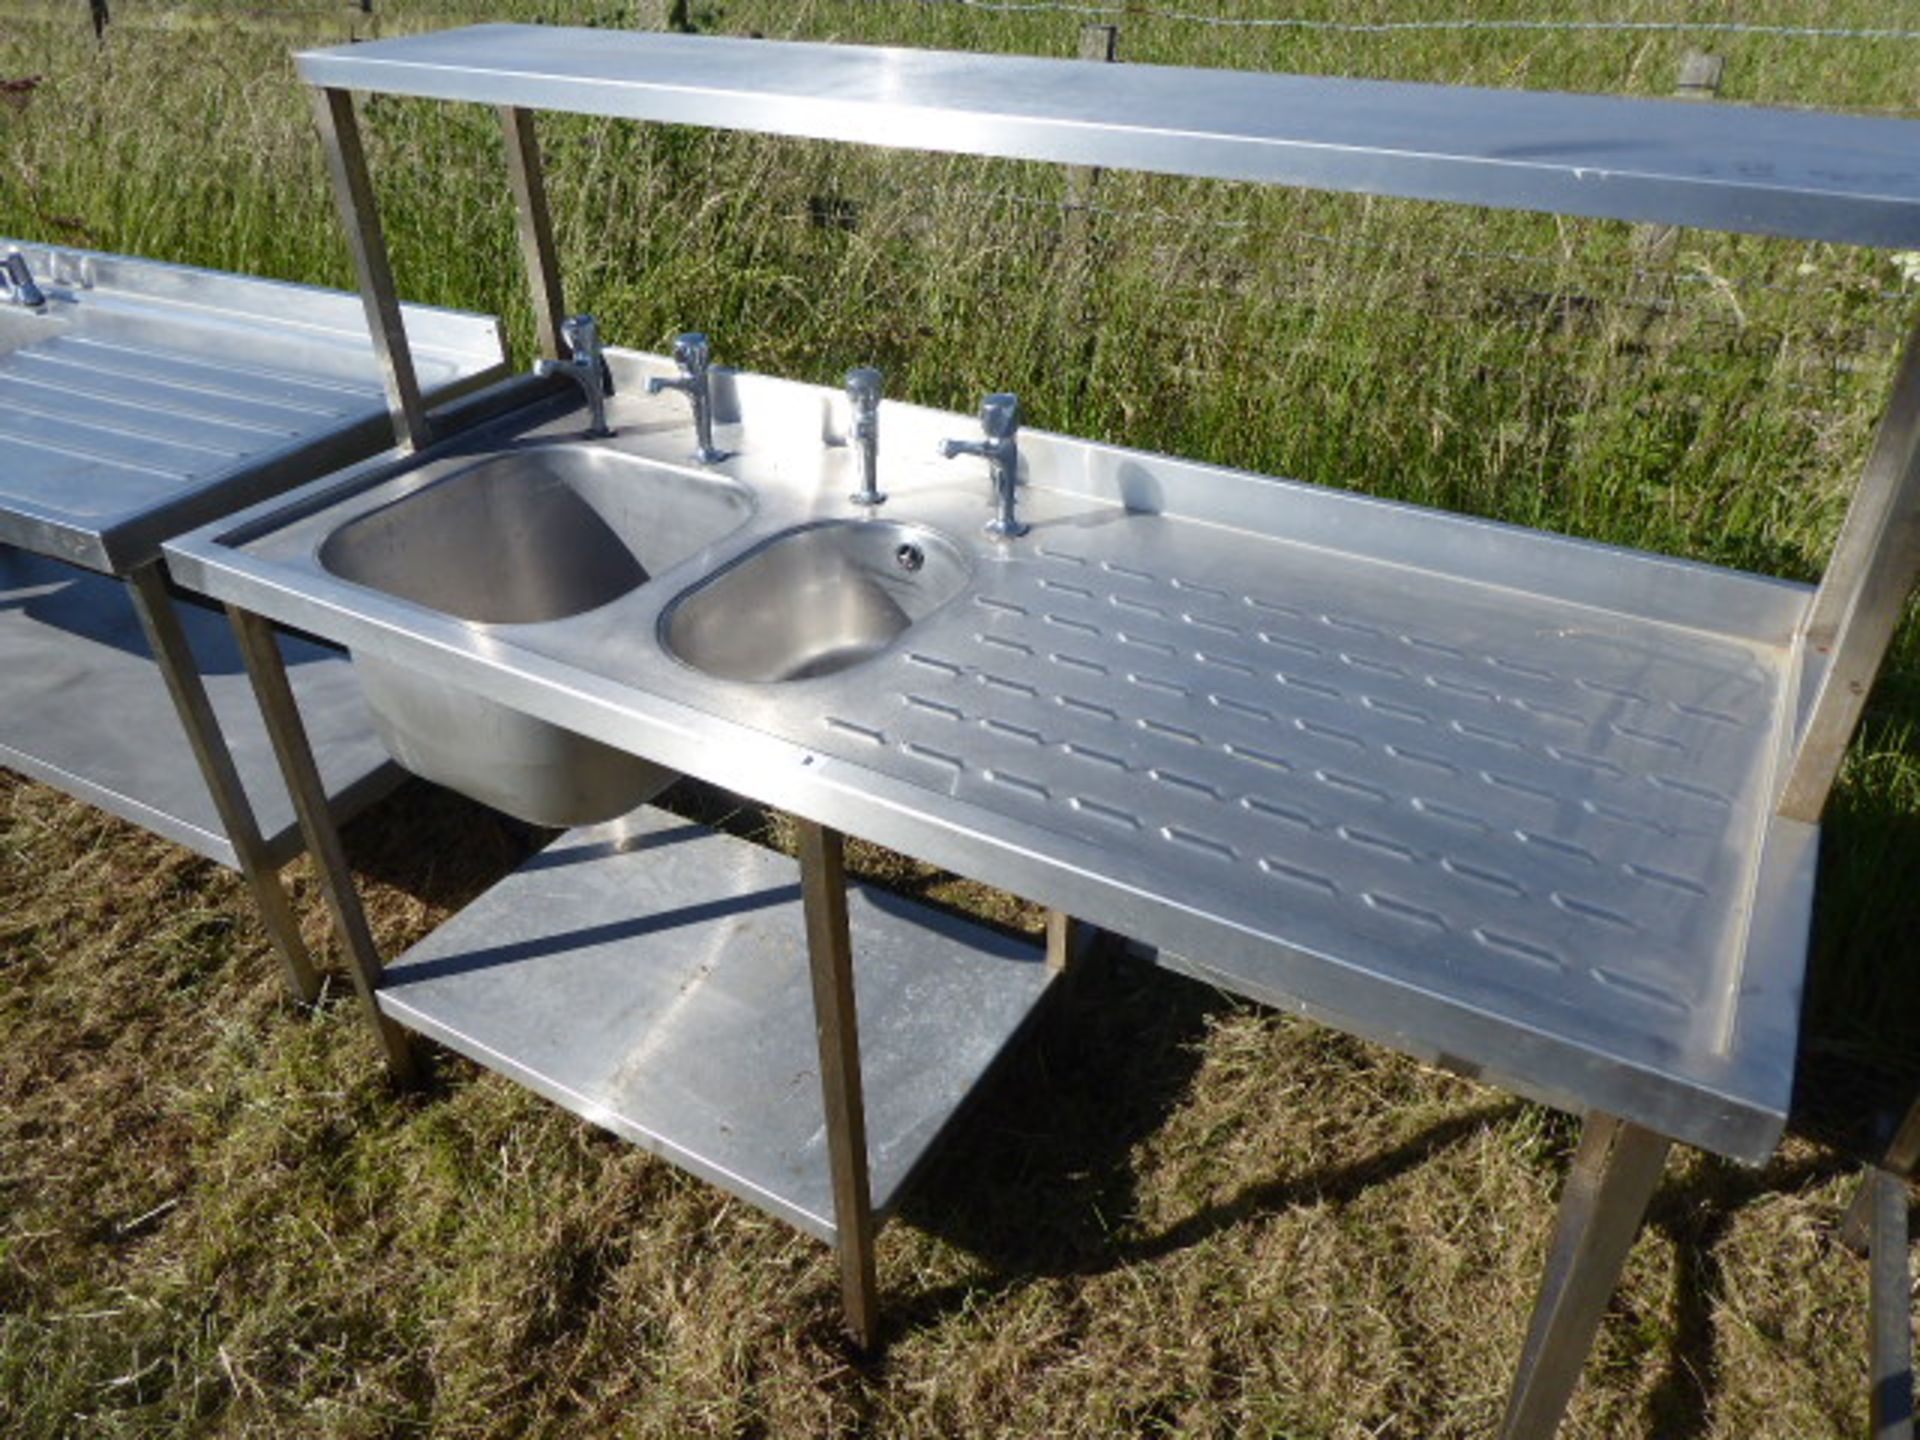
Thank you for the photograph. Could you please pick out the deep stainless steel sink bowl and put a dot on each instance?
(814, 600)
(538, 534)
(520, 538)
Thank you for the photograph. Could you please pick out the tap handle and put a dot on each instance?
(1000, 415)
(863, 388)
(16, 281)
(582, 334)
(692, 352)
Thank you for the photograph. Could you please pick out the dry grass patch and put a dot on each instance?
(1170, 1214)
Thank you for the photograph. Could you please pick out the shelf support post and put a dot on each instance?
(281, 711)
(1875, 563)
(161, 624)
(823, 880)
(536, 229)
(360, 219)
(1615, 1172)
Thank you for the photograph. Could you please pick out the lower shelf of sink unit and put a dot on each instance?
(84, 708)
(651, 976)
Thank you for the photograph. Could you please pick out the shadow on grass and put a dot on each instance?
(436, 846)
(1859, 1069)
(1036, 1177)
(1696, 1215)
(1039, 1181)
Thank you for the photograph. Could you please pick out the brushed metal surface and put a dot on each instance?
(1489, 795)
(539, 534)
(148, 398)
(1851, 179)
(651, 976)
(85, 710)
(534, 535)
(813, 601)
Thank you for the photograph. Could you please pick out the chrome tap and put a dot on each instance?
(863, 395)
(1000, 419)
(692, 353)
(16, 283)
(587, 366)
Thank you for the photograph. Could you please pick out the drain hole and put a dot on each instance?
(909, 557)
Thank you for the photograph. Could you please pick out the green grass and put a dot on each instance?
(1175, 1214)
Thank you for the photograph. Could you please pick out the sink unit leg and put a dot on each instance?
(154, 607)
(1070, 942)
(1614, 1175)
(823, 880)
(282, 714)
(1064, 937)
(1876, 1226)
(1890, 1301)
(1902, 1158)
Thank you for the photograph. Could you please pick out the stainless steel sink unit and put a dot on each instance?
(1543, 811)
(138, 399)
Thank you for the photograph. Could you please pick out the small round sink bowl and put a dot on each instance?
(813, 600)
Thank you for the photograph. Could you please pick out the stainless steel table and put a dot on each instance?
(1543, 811)
(137, 400)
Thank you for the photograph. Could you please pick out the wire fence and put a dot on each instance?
(107, 11)
(1440, 24)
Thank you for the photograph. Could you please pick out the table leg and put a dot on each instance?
(1066, 937)
(282, 714)
(823, 881)
(1614, 1175)
(1902, 1157)
(1890, 1302)
(154, 607)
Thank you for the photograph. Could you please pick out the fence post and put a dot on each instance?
(1654, 245)
(1100, 44)
(662, 15)
(1700, 75)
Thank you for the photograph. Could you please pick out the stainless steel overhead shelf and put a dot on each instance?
(1849, 179)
